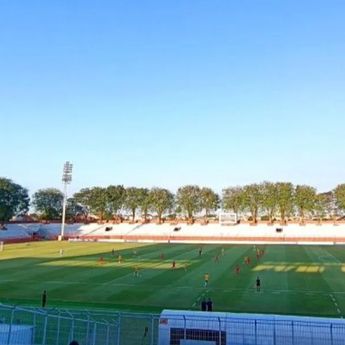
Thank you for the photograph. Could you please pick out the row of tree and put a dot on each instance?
(283, 199)
(266, 199)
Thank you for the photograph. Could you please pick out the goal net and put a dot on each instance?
(227, 218)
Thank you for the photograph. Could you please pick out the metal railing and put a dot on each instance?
(20, 325)
(27, 325)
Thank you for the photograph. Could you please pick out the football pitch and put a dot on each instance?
(301, 280)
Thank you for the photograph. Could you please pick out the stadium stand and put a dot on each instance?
(211, 233)
(13, 232)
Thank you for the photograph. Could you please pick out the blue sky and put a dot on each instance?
(167, 93)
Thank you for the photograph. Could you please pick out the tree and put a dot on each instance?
(285, 200)
(132, 200)
(253, 199)
(209, 200)
(48, 203)
(145, 202)
(74, 209)
(233, 199)
(329, 204)
(96, 201)
(269, 199)
(161, 201)
(14, 199)
(189, 199)
(321, 205)
(115, 198)
(339, 193)
(305, 200)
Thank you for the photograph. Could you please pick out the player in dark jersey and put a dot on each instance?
(258, 284)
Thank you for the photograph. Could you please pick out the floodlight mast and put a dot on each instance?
(66, 179)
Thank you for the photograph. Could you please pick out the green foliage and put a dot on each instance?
(189, 199)
(162, 200)
(285, 199)
(305, 199)
(133, 198)
(321, 205)
(253, 199)
(14, 199)
(115, 198)
(209, 200)
(48, 203)
(95, 199)
(340, 196)
(145, 201)
(74, 209)
(234, 199)
(269, 199)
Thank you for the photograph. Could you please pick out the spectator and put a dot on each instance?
(209, 305)
(73, 342)
(203, 304)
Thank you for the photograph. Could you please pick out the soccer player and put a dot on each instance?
(61, 252)
(136, 271)
(206, 279)
(113, 252)
(101, 260)
(258, 284)
(257, 254)
(161, 256)
(223, 251)
(200, 251)
(173, 265)
(216, 258)
(119, 258)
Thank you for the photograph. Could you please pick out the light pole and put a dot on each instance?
(66, 179)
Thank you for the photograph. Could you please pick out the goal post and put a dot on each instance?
(227, 218)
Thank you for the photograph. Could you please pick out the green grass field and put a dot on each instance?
(306, 280)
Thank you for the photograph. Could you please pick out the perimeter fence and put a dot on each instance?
(37, 326)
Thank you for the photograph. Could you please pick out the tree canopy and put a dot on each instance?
(14, 199)
(48, 203)
(340, 196)
(162, 200)
(189, 199)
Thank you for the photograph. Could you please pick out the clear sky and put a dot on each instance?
(167, 93)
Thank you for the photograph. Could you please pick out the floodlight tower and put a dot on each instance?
(66, 179)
